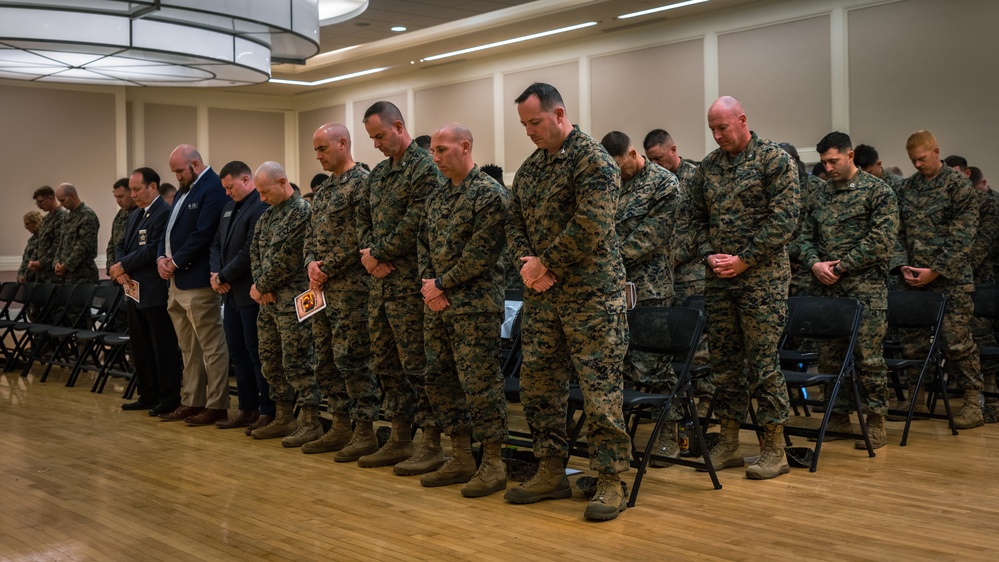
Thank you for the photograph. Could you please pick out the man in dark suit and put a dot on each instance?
(231, 278)
(153, 340)
(194, 307)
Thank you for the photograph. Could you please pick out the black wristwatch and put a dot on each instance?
(439, 284)
(838, 271)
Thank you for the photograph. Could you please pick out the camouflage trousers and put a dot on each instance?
(398, 358)
(588, 338)
(464, 382)
(285, 349)
(956, 341)
(743, 329)
(871, 373)
(342, 350)
(653, 370)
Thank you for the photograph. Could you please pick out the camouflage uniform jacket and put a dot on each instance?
(939, 218)
(562, 211)
(30, 254)
(893, 181)
(689, 267)
(746, 205)
(332, 236)
(77, 247)
(388, 217)
(983, 248)
(48, 241)
(276, 252)
(856, 222)
(461, 239)
(117, 233)
(646, 212)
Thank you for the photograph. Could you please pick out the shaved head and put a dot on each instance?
(332, 145)
(727, 121)
(451, 147)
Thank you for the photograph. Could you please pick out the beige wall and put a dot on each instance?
(254, 137)
(877, 70)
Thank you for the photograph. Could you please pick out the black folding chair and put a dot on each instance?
(919, 314)
(67, 345)
(825, 319)
(984, 298)
(666, 331)
(75, 315)
(8, 294)
(52, 313)
(30, 296)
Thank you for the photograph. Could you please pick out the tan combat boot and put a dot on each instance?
(549, 482)
(609, 499)
(971, 411)
(457, 469)
(333, 440)
(725, 453)
(838, 422)
(666, 446)
(363, 442)
(427, 458)
(398, 448)
(919, 413)
(309, 428)
(491, 476)
(772, 462)
(876, 432)
(283, 424)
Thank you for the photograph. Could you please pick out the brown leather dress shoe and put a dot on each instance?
(208, 416)
(180, 413)
(261, 422)
(241, 418)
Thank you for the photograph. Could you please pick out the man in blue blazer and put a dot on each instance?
(194, 307)
(231, 278)
(151, 333)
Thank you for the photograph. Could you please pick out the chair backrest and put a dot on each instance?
(35, 298)
(694, 301)
(104, 302)
(7, 293)
(58, 305)
(665, 330)
(822, 317)
(915, 309)
(78, 313)
(984, 299)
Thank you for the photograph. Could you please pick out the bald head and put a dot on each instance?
(727, 121)
(272, 183)
(186, 163)
(67, 196)
(332, 145)
(451, 146)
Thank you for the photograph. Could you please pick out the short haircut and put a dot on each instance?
(423, 141)
(840, 141)
(818, 169)
(791, 150)
(656, 137)
(33, 217)
(386, 111)
(235, 169)
(493, 171)
(921, 139)
(976, 175)
(549, 97)
(616, 143)
(122, 182)
(167, 188)
(43, 191)
(955, 160)
(865, 156)
(149, 176)
(318, 180)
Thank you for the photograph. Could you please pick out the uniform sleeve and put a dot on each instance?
(479, 254)
(655, 234)
(518, 243)
(597, 185)
(399, 240)
(286, 247)
(365, 232)
(878, 244)
(698, 217)
(987, 232)
(344, 254)
(955, 248)
(80, 245)
(423, 262)
(781, 175)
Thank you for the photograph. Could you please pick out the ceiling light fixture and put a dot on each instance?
(336, 11)
(509, 41)
(154, 42)
(328, 80)
(660, 9)
(398, 28)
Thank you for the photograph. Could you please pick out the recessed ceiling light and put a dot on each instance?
(660, 9)
(398, 28)
(328, 80)
(510, 41)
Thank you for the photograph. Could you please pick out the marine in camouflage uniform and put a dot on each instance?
(25, 275)
(49, 236)
(117, 233)
(853, 219)
(939, 219)
(744, 209)
(462, 235)
(77, 248)
(342, 344)
(983, 262)
(285, 344)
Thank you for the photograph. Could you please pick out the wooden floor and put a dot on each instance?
(83, 480)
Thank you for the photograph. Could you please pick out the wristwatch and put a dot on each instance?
(439, 284)
(837, 270)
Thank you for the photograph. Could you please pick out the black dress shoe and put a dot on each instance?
(162, 409)
(137, 405)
